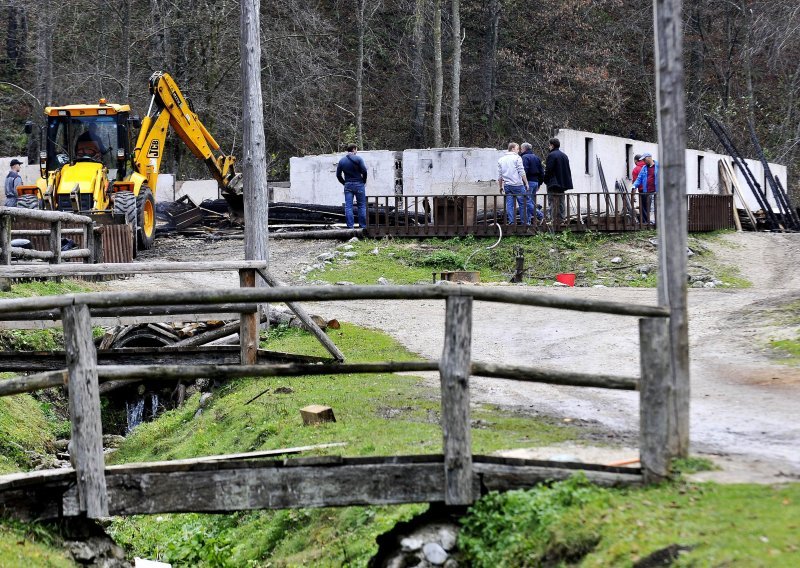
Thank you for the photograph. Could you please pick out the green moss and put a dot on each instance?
(30, 545)
(23, 428)
(789, 349)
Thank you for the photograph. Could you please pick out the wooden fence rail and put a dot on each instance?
(55, 218)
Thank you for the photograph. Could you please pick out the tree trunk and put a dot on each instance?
(254, 157)
(360, 76)
(490, 71)
(438, 76)
(455, 129)
(418, 76)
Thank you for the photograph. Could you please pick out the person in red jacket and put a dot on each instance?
(638, 165)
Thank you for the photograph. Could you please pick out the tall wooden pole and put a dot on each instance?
(671, 214)
(254, 156)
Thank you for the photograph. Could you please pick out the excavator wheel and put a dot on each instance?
(146, 214)
(125, 204)
(28, 202)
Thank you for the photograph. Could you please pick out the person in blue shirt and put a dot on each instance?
(647, 183)
(534, 173)
(352, 174)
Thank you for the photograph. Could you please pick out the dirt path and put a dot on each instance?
(744, 403)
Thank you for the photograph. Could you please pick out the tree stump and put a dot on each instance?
(317, 414)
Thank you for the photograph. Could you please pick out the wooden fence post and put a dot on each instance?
(88, 243)
(454, 369)
(84, 410)
(248, 322)
(656, 398)
(5, 239)
(55, 242)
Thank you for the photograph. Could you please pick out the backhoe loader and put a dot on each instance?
(90, 164)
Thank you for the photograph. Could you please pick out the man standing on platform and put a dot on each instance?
(647, 183)
(352, 174)
(534, 173)
(512, 182)
(558, 178)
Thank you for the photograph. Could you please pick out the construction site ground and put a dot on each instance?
(744, 401)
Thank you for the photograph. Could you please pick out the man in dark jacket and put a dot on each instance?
(13, 179)
(557, 177)
(534, 173)
(352, 174)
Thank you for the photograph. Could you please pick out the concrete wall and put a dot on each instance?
(616, 155)
(450, 171)
(198, 190)
(313, 178)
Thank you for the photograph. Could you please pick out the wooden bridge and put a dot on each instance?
(248, 481)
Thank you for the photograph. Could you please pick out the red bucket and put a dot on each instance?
(567, 278)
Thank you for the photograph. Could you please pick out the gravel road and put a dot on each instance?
(744, 402)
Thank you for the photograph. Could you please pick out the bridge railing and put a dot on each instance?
(83, 375)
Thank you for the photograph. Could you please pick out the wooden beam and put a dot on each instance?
(454, 369)
(31, 383)
(324, 294)
(303, 316)
(248, 322)
(40, 215)
(553, 377)
(55, 242)
(84, 411)
(111, 269)
(655, 400)
(672, 215)
(5, 243)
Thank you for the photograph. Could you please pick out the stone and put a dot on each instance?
(350, 254)
(204, 398)
(689, 252)
(645, 268)
(616, 260)
(383, 281)
(61, 445)
(326, 257)
(203, 384)
(345, 283)
(353, 240)
(560, 285)
(375, 251)
(112, 440)
(709, 285)
(434, 553)
(698, 284)
(447, 538)
(410, 544)
(599, 286)
(346, 247)
(451, 563)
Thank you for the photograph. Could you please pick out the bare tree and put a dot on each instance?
(438, 77)
(455, 108)
(418, 75)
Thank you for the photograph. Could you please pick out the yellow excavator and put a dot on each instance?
(90, 164)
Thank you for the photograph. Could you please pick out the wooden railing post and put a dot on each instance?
(88, 243)
(55, 242)
(656, 400)
(84, 410)
(248, 322)
(5, 239)
(454, 369)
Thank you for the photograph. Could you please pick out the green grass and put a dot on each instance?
(385, 414)
(24, 427)
(48, 288)
(588, 255)
(31, 544)
(789, 350)
(573, 523)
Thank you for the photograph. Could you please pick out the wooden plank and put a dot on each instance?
(77, 253)
(40, 215)
(553, 376)
(671, 210)
(55, 242)
(501, 477)
(303, 316)
(248, 322)
(114, 269)
(43, 232)
(212, 311)
(329, 293)
(656, 401)
(30, 383)
(30, 254)
(454, 369)
(84, 411)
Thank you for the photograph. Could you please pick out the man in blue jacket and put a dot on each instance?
(647, 183)
(534, 172)
(352, 174)
(13, 179)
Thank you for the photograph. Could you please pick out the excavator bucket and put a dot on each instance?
(235, 198)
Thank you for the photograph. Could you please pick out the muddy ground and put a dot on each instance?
(745, 403)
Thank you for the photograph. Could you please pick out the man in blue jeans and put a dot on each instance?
(352, 174)
(535, 173)
(512, 182)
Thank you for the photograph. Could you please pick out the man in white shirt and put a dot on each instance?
(512, 181)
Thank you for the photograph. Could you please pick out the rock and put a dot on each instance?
(698, 284)
(599, 286)
(204, 398)
(112, 440)
(631, 278)
(447, 538)
(346, 247)
(689, 252)
(410, 544)
(345, 283)
(318, 266)
(202, 384)
(451, 563)
(564, 458)
(434, 553)
(375, 251)
(653, 241)
(709, 285)
(616, 260)
(560, 285)
(718, 282)
(353, 240)
(61, 445)
(326, 257)
(383, 281)
(645, 268)
(350, 254)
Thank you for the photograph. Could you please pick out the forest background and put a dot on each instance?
(349, 70)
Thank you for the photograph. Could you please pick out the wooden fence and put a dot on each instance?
(55, 219)
(456, 478)
(485, 215)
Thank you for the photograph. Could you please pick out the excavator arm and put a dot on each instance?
(169, 108)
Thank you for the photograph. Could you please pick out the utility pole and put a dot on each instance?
(672, 221)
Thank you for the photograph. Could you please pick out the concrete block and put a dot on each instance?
(317, 414)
